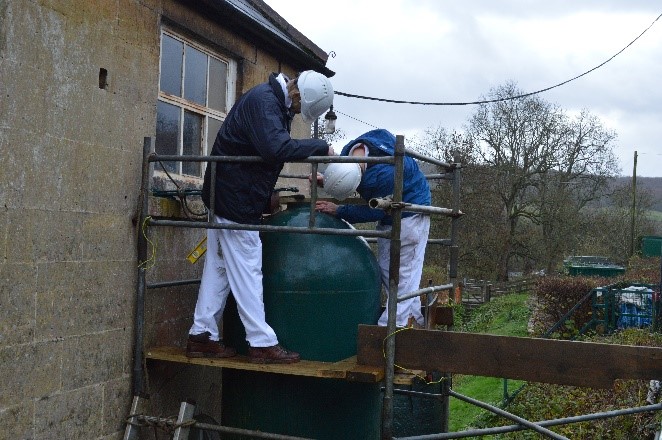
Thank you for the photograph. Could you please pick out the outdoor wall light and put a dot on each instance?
(330, 118)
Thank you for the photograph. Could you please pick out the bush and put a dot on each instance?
(643, 270)
(555, 296)
(539, 401)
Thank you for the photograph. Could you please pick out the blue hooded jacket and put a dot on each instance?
(378, 180)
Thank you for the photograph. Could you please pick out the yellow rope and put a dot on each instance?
(151, 261)
(406, 369)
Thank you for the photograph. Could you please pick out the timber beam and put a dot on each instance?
(585, 364)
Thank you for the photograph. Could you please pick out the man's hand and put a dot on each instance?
(326, 207)
(274, 203)
(331, 152)
(320, 179)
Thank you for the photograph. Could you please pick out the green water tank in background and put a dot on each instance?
(606, 271)
(592, 266)
(651, 246)
(317, 290)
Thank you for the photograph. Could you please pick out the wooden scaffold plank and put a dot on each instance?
(346, 369)
(576, 363)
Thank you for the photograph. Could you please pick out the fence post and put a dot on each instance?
(458, 293)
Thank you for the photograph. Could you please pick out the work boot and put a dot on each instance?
(272, 355)
(201, 346)
(412, 323)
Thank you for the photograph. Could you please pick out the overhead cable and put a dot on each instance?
(356, 119)
(486, 101)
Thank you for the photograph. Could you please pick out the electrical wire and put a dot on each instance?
(356, 119)
(181, 194)
(487, 101)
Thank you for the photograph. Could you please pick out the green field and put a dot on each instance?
(654, 215)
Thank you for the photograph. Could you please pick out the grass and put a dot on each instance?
(507, 316)
(654, 215)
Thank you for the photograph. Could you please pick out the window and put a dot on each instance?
(196, 90)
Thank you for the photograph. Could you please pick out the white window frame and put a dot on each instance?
(186, 105)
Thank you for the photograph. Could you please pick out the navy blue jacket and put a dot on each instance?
(379, 180)
(257, 125)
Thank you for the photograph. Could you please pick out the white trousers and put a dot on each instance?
(413, 239)
(233, 262)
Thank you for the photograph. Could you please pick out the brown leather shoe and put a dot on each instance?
(201, 346)
(272, 355)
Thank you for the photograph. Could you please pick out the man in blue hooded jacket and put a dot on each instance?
(257, 125)
(377, 180)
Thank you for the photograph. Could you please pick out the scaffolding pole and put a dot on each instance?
(394, 279)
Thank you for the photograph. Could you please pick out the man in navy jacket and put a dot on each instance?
(257, 125)
(377, 180)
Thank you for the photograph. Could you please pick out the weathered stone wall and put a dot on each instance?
(70, 172)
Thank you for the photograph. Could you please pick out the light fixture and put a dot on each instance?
(330, 125)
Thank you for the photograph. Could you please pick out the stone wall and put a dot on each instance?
(70, 173)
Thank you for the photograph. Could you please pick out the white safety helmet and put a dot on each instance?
(316, 95)
(342, 179)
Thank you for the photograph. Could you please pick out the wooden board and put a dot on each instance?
(346, 369)
(442, 315)
(538, 360)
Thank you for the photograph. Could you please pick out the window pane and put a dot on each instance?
(218, 84)
(195, 78)
(213, 125)
(167, 131)
(171, 65)
(192, 142)
(212, 130)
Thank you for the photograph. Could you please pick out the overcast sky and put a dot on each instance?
(452, 51)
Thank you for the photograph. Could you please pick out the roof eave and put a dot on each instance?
(285, 41)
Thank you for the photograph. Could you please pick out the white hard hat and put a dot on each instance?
(342, 179)
(316, 95)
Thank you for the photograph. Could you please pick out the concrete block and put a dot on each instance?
(73, 415)
(107, 237)
(25, 153)
(45, 236)
(16, 420)
(118, 294)
(164, 207)
(80, 298)
(29, 371)
(17, 303)
(92, 359)
(116, 405)
(4, 223)
(136, 22)
(169, 315)
(8, 190)
(112, 182)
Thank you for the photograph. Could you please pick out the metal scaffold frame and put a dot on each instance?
(395, 205)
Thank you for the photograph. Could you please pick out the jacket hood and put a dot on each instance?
(381, 139)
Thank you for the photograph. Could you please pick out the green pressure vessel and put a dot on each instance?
(317, 290)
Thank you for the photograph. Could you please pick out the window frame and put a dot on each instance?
(185, 105)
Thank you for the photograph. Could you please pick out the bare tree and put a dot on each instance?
(606, 228)
(479, 235)
(530, 176)
(585, 164)
(330, 138)
(546, 166)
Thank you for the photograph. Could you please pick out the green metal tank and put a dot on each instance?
(651, 246)
(317, 290)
